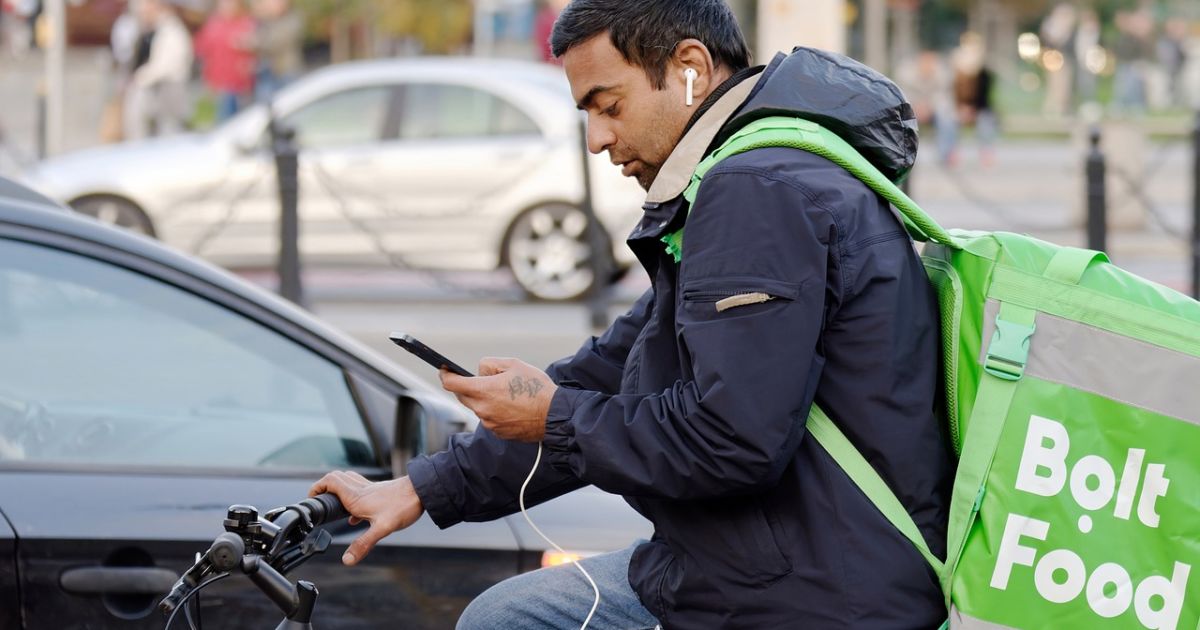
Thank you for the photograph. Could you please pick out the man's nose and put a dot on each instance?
(599, 136)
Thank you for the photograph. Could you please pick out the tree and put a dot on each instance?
(438, 26)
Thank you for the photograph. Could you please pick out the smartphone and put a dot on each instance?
(427, 354)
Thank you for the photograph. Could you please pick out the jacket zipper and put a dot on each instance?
(716, 296)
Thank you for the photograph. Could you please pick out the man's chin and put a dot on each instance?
(645, 178)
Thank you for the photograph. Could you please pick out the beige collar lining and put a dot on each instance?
(676, 172)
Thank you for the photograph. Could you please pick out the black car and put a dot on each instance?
(142, 392)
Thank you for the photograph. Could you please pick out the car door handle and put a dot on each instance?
(132, 580)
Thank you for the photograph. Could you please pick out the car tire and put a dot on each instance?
(547, 250)
(116, 211)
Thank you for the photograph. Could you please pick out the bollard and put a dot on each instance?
(598, 240)
(40, 120)
(1196, 208)
(1096, 211)
(287, 167)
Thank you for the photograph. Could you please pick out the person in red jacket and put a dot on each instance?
(543, 25)
(223, 47)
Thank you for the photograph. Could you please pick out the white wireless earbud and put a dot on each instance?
(690, 75)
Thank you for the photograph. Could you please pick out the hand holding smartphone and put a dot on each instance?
(427, 354)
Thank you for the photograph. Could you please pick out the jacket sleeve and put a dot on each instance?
(600, 362)
(479, 477)
(753, 279)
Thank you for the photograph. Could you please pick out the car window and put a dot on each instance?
(345, 118)
(106, 366)
(431, 110)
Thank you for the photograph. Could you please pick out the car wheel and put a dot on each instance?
(548, 251)
(115, 211)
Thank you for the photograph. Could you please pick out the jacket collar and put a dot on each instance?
(676, 172)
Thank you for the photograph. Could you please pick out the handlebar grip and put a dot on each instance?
(325, 508)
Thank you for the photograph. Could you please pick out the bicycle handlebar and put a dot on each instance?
(324, 508)
(283, 537)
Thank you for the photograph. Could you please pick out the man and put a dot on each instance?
(156, 100)
(279, 42)
(796, 285)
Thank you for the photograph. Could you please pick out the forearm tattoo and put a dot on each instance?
(528, 386)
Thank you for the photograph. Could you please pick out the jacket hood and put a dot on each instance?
(850, 99)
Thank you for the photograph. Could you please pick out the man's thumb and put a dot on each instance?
(363, 545)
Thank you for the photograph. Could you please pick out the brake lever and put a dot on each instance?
(316, 542)
(223, 556)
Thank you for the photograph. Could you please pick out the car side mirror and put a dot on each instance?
(423, 426)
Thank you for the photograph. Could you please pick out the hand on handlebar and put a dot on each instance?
(387, 505)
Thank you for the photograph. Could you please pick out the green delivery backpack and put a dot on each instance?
(1073, 404)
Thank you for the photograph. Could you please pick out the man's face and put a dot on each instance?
(638, 125)
(149, 12)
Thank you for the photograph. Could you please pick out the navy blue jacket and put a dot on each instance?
(697, 414)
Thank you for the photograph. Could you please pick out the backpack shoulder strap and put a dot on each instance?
(868, 480)
(797, 133)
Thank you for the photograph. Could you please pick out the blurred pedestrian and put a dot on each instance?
(544, 25)
(156, 100)
(973, 95)
(5, 10)
(22, 34)
(1058, 58)
(927, 84)
(1087, 46)
(1172, 55)
(129, 51)
(1135, 51)
(278, 40)
(224, 47)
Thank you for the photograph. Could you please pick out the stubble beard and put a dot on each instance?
(645, 178)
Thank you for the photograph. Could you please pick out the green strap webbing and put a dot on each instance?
(1069, 264)
(868, 480)
(979, 447)
(797, 133)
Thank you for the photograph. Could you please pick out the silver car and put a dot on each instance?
(430, 163)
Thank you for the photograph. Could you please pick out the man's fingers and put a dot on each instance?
(357, 477)
(363, 545)
(491, 366)
(328, 483)
(456, 384)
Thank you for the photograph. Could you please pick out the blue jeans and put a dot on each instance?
(559, 598)
(228, 104)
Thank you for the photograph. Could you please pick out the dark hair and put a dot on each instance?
(646, 31)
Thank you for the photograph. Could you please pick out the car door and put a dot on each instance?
(342, 138)
(458, 148)
(137, 403)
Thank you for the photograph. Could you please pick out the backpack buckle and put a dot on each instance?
(1009, 350)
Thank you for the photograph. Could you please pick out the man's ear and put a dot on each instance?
(694, 55)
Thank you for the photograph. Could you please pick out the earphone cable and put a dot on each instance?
(521, 500)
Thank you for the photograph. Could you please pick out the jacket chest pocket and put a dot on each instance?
(709, 298)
